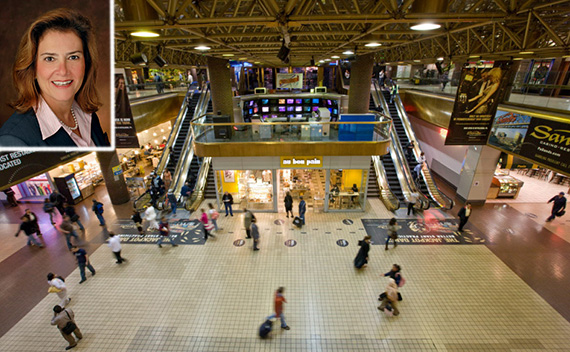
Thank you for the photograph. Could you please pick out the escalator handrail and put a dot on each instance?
(201, 181)
(389, 199)
(448, 202)
(164, 158)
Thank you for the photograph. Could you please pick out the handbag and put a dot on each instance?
(561, 213)
(394, 235)
(53, 289)
(69, 327)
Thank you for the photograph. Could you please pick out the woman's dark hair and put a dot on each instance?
(393, 221)
(281, 289)
(50, 276)
(57, 309)
(397, 267)
(24, 71)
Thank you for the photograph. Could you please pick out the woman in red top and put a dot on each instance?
(207, 225)
(279, 300)
(164, 230)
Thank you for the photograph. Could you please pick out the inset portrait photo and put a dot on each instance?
(55, 76)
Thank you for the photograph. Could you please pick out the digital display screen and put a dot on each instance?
(265, 116)
(298, 101)
(329, 102)
(307, 108)
(334, 103)
(273, 101)
(281, 109)
(335, 111)
(290, 101)
(307, 101)
(265, 109)
(281, 101)
(273, 115)
(264, 101)
(330, 110)
(316, 101)
(315, 108)
(290, 108)
(255, 110)
(251, 103)
(298, 108)
(73, 189)
(250, 111)
(274, 109)
(299, 115)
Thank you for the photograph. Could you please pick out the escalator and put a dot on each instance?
(373, 190)
(392, 177)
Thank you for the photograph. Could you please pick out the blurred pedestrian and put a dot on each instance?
(29, 230)
(150, 217)
(82, 262)
(49, 209)
(393, 228)
(289, 204)
(361, 259)
(98, 210)
(464, 214)
(164, 230)
(34, 220)
(255, 234)
(278, 303)
(247, 218)
(64, 319)
(558, 206)
(390, 299)
(115, 245)
(302, 209)
(214, 215)
(207, 226)
(66, 227)
(58, 201)
(136, 218)
(57, 285)
(228, 201)
(69, 210)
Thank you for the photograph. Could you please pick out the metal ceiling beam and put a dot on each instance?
(549, 29)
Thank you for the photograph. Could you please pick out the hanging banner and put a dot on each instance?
(543, 141)
(125, 132)
(289, 81)
(478, 95)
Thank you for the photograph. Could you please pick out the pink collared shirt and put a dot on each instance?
(50, 124)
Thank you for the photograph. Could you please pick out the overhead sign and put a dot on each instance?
(480, 91)
(288, 162)
(125, 132)
(543, 141)
(289, 80)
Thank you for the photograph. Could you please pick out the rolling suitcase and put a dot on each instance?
(298, 222)
(265, 328)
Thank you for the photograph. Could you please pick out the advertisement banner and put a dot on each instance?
(543, 141)
(16, 167)
(125, 132)
(289, 81)
(478, 95)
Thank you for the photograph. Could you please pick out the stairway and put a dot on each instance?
(183, 133)
(373, 188)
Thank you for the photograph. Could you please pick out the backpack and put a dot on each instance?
(99, 208)
(402, 281)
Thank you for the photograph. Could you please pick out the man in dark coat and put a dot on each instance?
(58, 199)
(302, 209)
(464, 214)
(558, 205)
(362, 257)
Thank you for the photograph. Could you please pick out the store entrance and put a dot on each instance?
(309, 184)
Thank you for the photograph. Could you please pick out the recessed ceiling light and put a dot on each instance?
(335, 57)
(327, 60)
(417, 60)
(526, 52)
(517, 58)
(257, 62)
(474, 56)
(373, 45)
(387, 63)
(348, 52)
(228, 55)
(202, 47)
(400, 62)
(144, 34)
(321, 61)
(425, 27)
(440, 59)
(242, 58)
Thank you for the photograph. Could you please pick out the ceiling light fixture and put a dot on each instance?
(417, 60)
(321, 61)
(526, 52)
(145, 34)
(228, 55)
(327, 60)
(202, 47)
(474, 56)
(440, 59)
(348, 52)
(373, 44)
(425, 27)
(517, 58)
(242, 58)
(335, 57)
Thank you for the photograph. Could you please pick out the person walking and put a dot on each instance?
(48, 209)
(361, 259)
(29, 230)
(278, 304)
(66, 227)
(302, 209)
(98, 210)
(214, 215)
(393, 92)
(412, 200)
(228, 201)
(57, 285)
(172, 201)
(289, 204)
(167, 178)
(395, 274)
(150, 217)
(11, 197)
(410, 150)
(82, 262)
(64, 319)
(393, 228)
(418, 171)
(69, 210)
(247, 219)
(390, 298)
(206, 223)
(164, 229)
(464, 214)
(255, 234)
(115, 245)
(558, 206)
(185, 193)
(34, 220)
(136, 218)
(58, 200)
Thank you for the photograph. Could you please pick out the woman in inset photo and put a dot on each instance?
(55, 78)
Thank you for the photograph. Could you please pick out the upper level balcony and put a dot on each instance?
(291, 138)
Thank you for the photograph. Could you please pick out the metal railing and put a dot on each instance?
(200, 188)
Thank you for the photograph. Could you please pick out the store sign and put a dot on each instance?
(543, 141)
(19, 166)
(479, 93)
(289, 80)
(117, 170)
(301, 161)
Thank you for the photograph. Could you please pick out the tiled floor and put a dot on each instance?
(214, 297)
(533, 190)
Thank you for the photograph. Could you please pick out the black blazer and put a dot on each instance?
(23, 130)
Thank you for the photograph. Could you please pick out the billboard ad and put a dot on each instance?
(289, 81)
(125, 132)
(478, 95)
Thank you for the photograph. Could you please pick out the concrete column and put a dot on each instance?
(360, 79)
(116, 186)
(477, 173)
(220, 85)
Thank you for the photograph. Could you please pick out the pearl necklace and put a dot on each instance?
(76, 125)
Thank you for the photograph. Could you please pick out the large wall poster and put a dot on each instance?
(290, 80)
(125, 132)
(480, 91)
